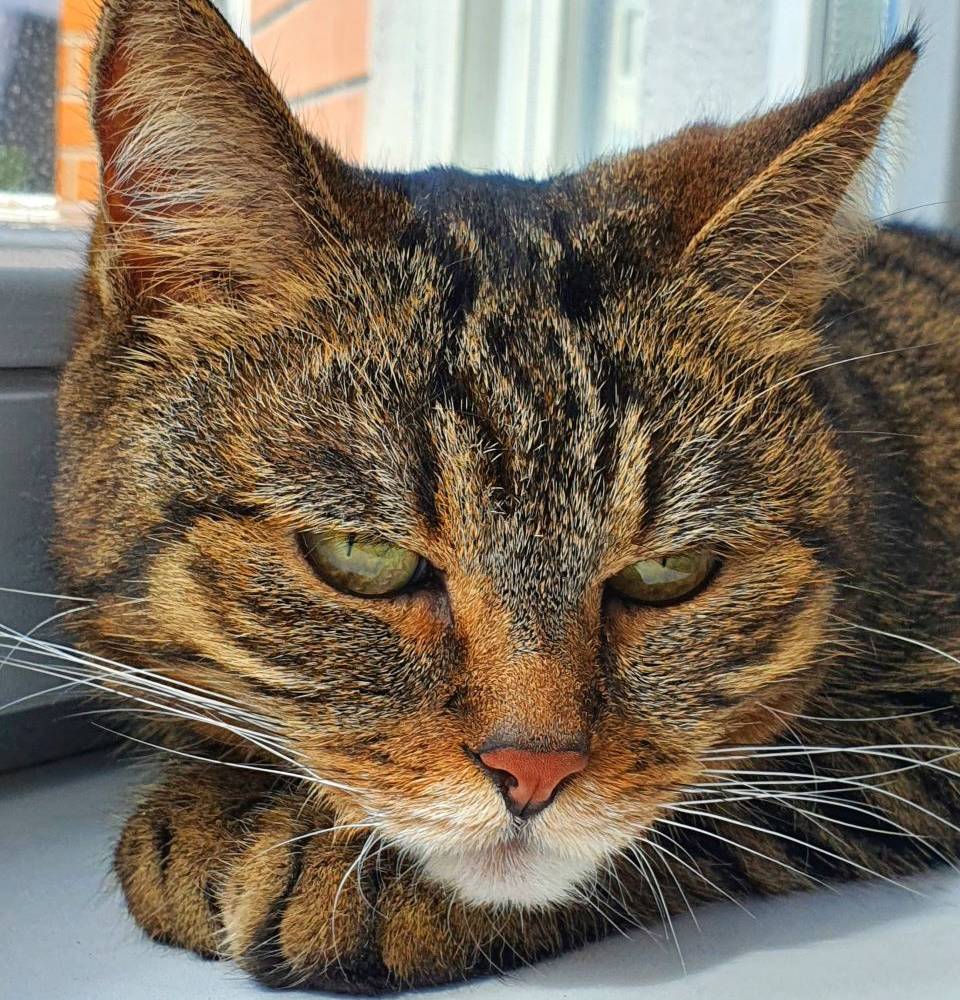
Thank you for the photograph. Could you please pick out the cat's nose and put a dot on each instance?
(529, 779)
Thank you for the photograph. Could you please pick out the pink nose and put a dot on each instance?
(529, 779)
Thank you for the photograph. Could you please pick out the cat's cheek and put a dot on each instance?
(788, 661)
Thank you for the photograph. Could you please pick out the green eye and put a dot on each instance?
(659, 581)
(354, 564)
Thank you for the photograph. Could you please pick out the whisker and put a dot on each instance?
(593, 902)
(664, 908)
(886, 793)
(854, 719)
(199, 757)
(364, 852)
(69, 654)
(901, 638)
(683, 896)
(694, 869)
(728, 417)
(336, 901)
(39, 694)
(799, 750)
(610, 872)
(899, 828)
(805, 876)
(36, 628)
(751, 791)
(120, 680)
(70, 674)
(794, 778)
(635, 856)
(274, 743)
(719, 817)
(913, 208)
(176, 712)
(40, 593)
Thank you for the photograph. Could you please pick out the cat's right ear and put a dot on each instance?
(209, 184)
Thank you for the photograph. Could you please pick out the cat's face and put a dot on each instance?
(531, 388)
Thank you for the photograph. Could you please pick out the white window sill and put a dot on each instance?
(64, 932)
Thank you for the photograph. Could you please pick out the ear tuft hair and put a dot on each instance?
(776, 240)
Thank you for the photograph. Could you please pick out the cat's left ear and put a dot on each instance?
(776, 240)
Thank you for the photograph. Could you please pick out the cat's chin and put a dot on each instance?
(510, 875)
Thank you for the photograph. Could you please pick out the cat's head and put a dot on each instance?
(471, 492)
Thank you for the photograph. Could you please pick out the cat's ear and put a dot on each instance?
(208, 182)
(776, 238)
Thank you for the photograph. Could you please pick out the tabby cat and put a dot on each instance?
(504, 561)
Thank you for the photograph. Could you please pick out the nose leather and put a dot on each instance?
(531, 777)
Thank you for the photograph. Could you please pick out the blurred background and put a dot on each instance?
(530, 86)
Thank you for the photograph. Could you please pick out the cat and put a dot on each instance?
(504, 561)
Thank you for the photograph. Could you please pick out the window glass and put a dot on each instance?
(48, 163)
(28, 59)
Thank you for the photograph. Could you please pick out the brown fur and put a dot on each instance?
(532, 385)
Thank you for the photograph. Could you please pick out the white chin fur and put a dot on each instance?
(520, 877)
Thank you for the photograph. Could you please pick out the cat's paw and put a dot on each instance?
(329, 916)
(175, 851)
(228, 865)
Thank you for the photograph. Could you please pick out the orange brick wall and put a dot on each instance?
(76, 167)
(316, 50)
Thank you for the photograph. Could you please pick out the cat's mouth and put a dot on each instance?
(468, 843)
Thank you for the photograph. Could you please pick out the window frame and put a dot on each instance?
(237, 13)
(499, 58)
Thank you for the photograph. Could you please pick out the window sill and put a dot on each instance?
(39, 270)
(65, 935)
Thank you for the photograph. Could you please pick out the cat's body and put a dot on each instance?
(532, 387)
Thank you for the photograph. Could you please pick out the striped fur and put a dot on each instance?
(532, 384)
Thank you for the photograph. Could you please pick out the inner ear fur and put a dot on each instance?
(209, 183)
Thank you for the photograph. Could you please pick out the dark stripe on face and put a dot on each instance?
(457, 394)
(178, 655)
(579, 287)
(459, 283)
(769, 633)
(426, 474)
(460, 292)
(654, 475)
(504, 344)
(820, 541)
(211, 900)
(178, 518)
(163, 842)
(296, 633)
